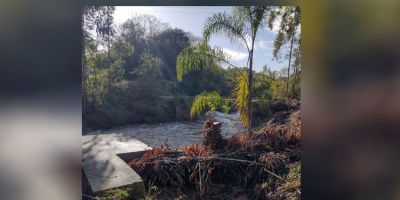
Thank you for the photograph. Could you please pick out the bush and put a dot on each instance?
(261, 111)
(135, 101)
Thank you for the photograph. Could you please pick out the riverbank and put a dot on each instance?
(177, 134)
(184, 133)
(260, 164)
(262, 111)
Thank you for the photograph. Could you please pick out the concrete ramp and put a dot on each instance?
(103, 166)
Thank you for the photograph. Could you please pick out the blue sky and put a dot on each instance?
(191, 19)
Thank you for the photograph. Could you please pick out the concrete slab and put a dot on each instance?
(103, 167)
(110, 144)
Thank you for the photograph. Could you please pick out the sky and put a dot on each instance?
(192, 19)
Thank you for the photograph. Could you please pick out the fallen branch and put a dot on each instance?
(239, 160)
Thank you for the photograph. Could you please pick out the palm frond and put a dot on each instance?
(254, 16)
(243, 14)
(200, 57)
(211, 101)
(259, 16)
(241, 94)
(272, 16)
(289, 25)
(222, 23)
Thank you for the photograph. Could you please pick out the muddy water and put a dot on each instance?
(179, 134)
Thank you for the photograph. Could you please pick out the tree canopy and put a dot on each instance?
(126, 78)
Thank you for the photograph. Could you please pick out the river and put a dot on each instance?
(179, 134)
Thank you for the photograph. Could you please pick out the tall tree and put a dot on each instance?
(98, 19)
(106, 31)
(240, 26)
(139, 31)
(296, 76)
(166, 45)
(288, 32)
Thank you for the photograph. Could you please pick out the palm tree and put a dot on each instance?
(288, 32)
(240, 26)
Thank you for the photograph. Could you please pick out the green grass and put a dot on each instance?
(118, 194)
(293, 177)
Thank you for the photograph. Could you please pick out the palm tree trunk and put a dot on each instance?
(250, 80)
(288, 71)
(249, 99)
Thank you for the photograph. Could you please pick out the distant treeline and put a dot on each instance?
(128, 69)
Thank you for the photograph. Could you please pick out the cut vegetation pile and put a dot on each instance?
(259, 164)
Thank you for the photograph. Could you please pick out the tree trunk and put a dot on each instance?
(288, 71)
(250, 81)
(212, 135)
(109, 61)
(296, 71)
(294, 82)
(84, 100)
(109, 33)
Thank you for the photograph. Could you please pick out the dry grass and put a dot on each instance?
(261, 162)
(197, 150)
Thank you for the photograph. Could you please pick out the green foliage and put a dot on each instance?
(99, 18)
(293, 177)
(118, 193)
(261, 85)
(225, 106)
(149, 34)
(295, 171)
(199, 57)
(113, 100)
(96, 79)
(288, 33)
(222, 23)
(211, 101)
(196, 82)
(241, 94)
(261, 111)
(128, 102)
(146, 103)
(149, 66)
(238, 26)
(167, 45)
(289, 25)
(241, 25)
(117, 70)
(122, 49)
(123, 84)
(278, 89)
(147, 60)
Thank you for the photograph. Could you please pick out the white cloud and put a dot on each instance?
(263, 44)
(235, 55)
(259, 44)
